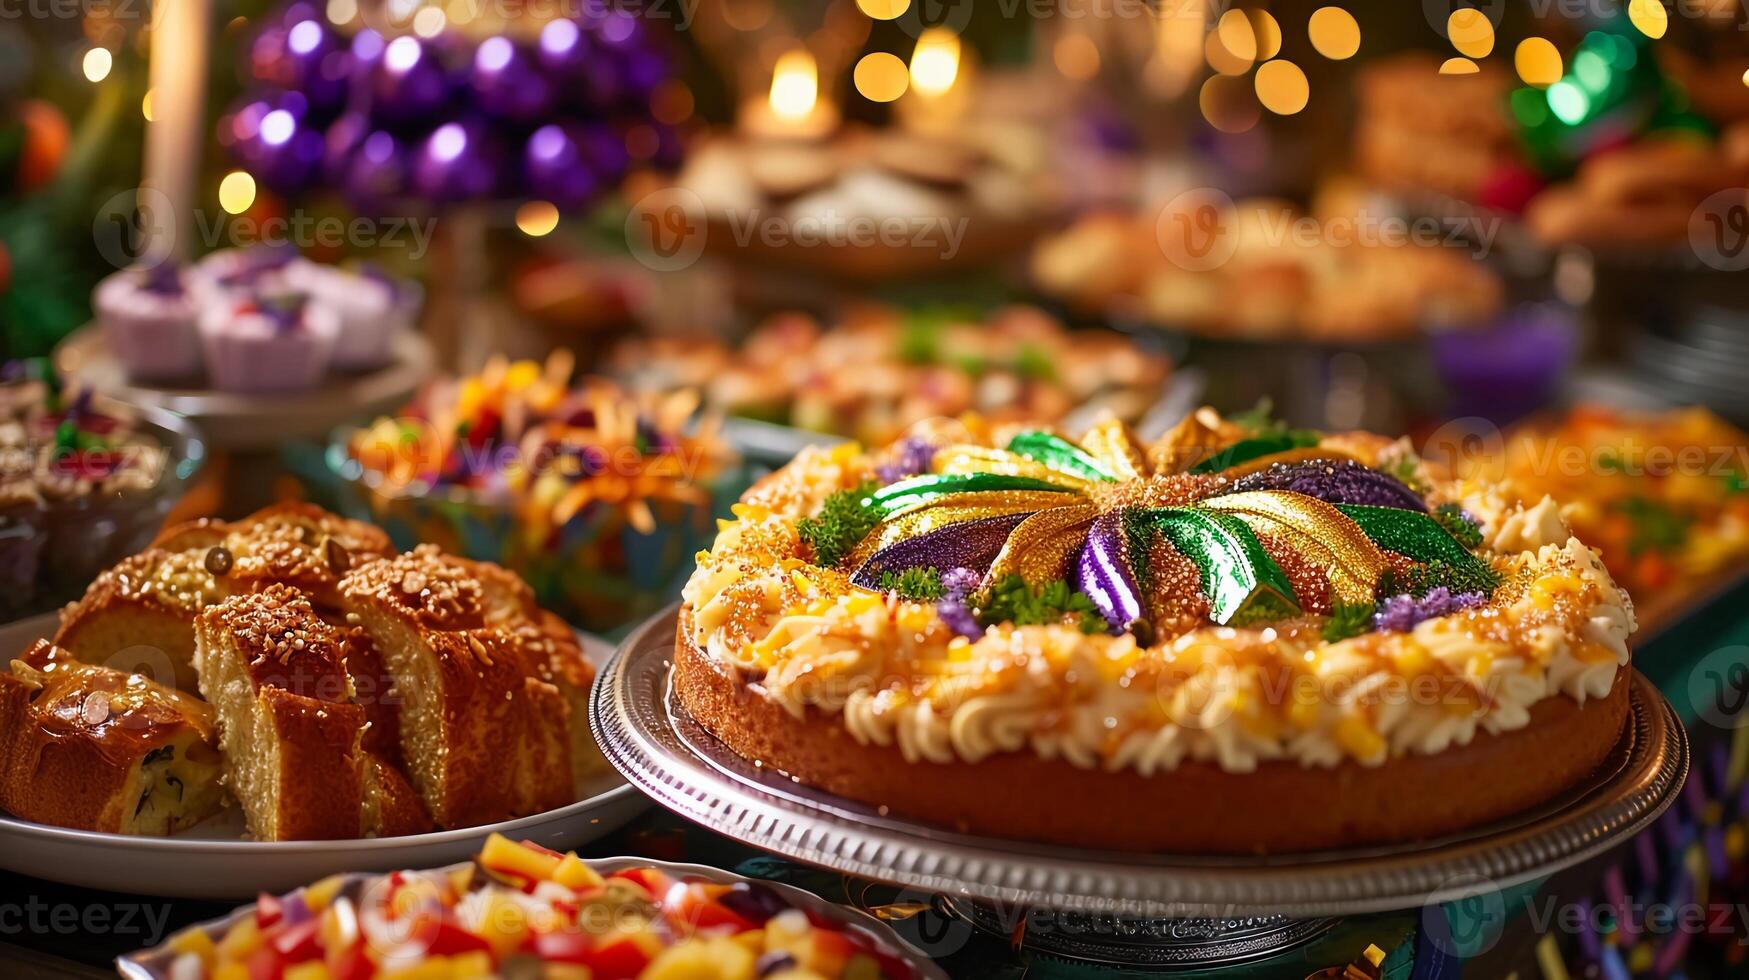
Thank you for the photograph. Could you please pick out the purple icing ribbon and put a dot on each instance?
(1103, 572)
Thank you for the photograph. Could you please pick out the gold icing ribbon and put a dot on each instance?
(1315, 530)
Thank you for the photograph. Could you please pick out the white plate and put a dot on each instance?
(215, 861)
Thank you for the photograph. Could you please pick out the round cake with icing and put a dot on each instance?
(1239, 638)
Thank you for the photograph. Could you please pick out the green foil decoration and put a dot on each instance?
(1315, 530)
(1059, 454)
(1407, 532)
(1242, 583)
(922, 489)
(979, 459)
(1249, 449)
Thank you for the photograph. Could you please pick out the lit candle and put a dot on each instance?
(938, 96)
(793, 109)
(174, 137)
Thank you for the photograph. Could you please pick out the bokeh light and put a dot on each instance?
(1334, 32)
(882, 9)
(1568, 102)
(1076, 56)
(1228, 104)
(936, 61)
(537, 218)
(146, 105)
(1459, 66)
(236, 192)
(1537, 61)
(1231, 48)
(1470, 31)
(1649, 17)
(97, 63)
(881, 77)
(1282, 87)
(429, 21)
(1268, 32)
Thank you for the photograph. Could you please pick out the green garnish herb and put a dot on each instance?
(1348, 619)
(1012, 600)
(1470, 576)
(914, 583)
(843, 521)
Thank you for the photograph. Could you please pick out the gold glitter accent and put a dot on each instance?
(1311, 584)
(953, 508)
(1316, 530)
(1110, 443)
(978, 459)
(1040, 549)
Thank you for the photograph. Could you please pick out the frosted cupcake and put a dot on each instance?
(151, 319)
(230, 273)
(272, 343)
(373, 308)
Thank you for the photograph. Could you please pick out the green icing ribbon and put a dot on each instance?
(891, 499)
(1059, 454)
(1242, 583)
(1246, 450)
(1408, 532)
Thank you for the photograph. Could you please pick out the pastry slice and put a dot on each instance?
(392, 807)
(484, 736)
(301, 545)
(275, 673)
(98, 749)
(196, 535)
(553, 651)
(138, 616)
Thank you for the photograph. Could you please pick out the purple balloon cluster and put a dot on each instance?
(393, 121)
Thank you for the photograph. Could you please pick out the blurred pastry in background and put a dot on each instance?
(881, 370)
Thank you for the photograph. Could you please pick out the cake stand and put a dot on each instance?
(1158, 910)
(252, 430)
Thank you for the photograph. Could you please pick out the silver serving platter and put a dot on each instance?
(662, 751)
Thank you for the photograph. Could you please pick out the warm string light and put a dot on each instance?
(881, 77)
(236, 192)
(1470, 32)
(429, 22)
(1538, 62)
(935, 63)
(537, 218)
(883, 9)
(1231, 48)
(1267, 31)
(97, 63)
(1649, 17)
(1334, 33)
(1282, 87)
